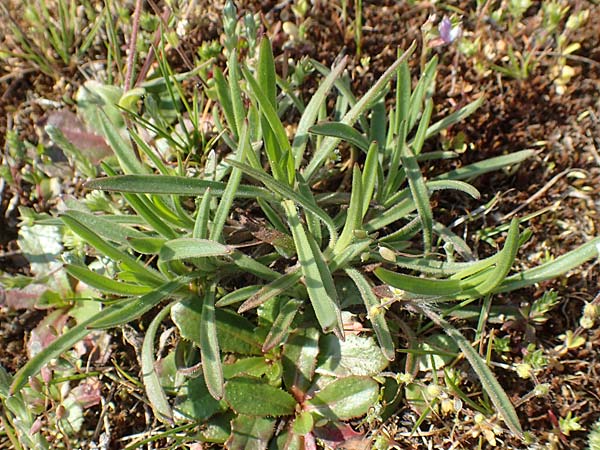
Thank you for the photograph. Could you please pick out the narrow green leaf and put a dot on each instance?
(104, 284)
(209, 346)
(202, 217)
(130, 309)
(251, 265)
(299, 360)
(310, 113)
(421, 90)
(420, 195)
(369, 177)
(352, 116)
(316, 275)
(154, 391)
(283, 153)
(93, 239)
(312, 222)
(174, 185)
(276, 287)
(419, 140)
(105, 228)
(235, 91)
(487, 165)
(341, 131)
(345, 398)
(354, 213)
(486, 377)
(552, 269)
(253, 397)
(504, 262)
(281, 325)
(266, 75)
(56, 348)
(453, 118)
(123, 151)
(184, 248)
(375, 313)
(225, 102)
(239, 295)
(456, 185)
(235, 333)
(287, 193)
(147, 245)
(419, 286)
(224, 207)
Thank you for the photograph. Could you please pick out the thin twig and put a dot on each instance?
(132, 41)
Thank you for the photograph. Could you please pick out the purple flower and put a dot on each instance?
(448, 33)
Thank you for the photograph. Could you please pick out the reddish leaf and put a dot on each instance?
(87, 393)
(338, 434)
(46, 332)
(90, 144)
(25, 298)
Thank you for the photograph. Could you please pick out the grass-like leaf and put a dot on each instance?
(487, 165)
(130, 309)
(317, 277)
(329, 143)
(552, 269)
(281, 324)
(288, 194)
(154, 391)
(312, 109)
(57, 347)
(209, 346)
(420, 195)
(233, 183)
(175, 185)
(341, 131)
(486, 377)
(376, 313)
(93, 239)
(353, 215)
(122, 149)
(104, 284)
(186, 248)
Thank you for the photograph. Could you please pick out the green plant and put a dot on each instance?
(594, 437)
(293, 254)
(51, 35)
